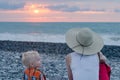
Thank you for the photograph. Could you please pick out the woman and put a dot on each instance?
(83, 63)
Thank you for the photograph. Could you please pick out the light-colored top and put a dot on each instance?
(84, 67)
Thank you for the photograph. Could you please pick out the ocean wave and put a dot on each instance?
(111, 39)
(34, 37)
(55, 38)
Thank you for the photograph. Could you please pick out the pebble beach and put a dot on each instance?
(52, 57)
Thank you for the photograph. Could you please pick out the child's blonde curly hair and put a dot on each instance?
(29, 58)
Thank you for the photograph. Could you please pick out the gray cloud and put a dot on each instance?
(64, 8)
(67, 8)
(73, 0)
(102, 10)
(60, 6)
(7, 5)
(117, 10)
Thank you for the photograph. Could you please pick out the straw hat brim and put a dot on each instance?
(71, 41)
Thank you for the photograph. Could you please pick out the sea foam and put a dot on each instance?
(55, 38)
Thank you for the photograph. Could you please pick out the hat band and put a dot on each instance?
(82, 44)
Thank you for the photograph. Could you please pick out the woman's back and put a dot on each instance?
(84, 67)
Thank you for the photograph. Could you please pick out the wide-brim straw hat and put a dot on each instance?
(84, 41)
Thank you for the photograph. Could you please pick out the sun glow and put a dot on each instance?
(36, 11)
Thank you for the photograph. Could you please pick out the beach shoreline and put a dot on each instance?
(53, 59)
(46, 47)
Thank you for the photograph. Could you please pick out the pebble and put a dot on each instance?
(53, 61)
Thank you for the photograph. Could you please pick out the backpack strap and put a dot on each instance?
(25, 77)
(42, 76)
(99, 56)
(33, 77)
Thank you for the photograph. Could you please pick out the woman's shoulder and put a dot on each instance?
(102, 56)
(68, 58)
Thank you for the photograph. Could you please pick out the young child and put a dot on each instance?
(31, 60)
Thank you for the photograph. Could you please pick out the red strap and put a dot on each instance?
(104, 70)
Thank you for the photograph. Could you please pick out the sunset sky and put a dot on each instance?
(59, 10)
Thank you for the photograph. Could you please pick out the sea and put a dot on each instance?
(55, 31)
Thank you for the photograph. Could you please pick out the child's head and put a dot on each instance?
(31, 59)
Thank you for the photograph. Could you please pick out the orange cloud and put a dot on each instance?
(34, 9)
